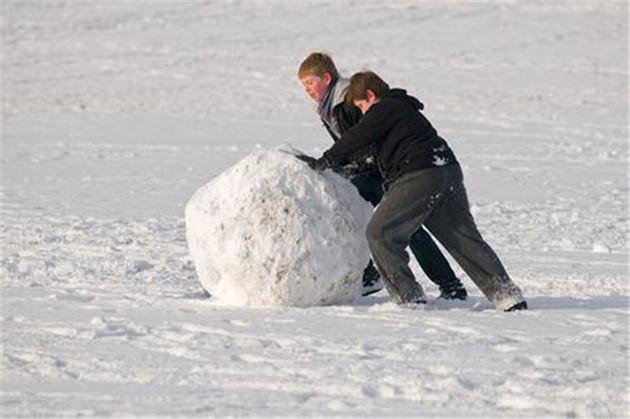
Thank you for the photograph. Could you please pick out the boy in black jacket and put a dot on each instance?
(424, 185)
(327, 88)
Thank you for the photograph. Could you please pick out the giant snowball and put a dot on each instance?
(270, 231)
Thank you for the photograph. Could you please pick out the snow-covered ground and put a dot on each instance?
(114, 113)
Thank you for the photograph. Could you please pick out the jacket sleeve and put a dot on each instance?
(371, 128)
(330, 132)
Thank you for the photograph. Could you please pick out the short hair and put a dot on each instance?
(318, 63)
(361, 82)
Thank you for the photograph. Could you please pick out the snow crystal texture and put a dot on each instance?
(270, 231)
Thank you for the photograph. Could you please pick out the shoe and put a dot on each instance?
(453, 291)
(372, 281)
(518, 306)
(420, 300)
(414, 297)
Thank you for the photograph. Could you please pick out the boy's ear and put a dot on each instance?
(370, 95)
(327, 78)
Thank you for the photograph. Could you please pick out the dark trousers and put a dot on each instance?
(428, 255)
(437, 198)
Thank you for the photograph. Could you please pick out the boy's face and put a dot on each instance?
(316, 86)
(366, 104)
(362, 104)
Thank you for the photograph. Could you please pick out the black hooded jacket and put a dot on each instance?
(402, 139)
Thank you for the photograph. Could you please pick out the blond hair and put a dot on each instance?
(318, 64)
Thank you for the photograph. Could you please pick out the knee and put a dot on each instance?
(373, 233)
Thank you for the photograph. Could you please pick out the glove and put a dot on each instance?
(306, 158)
(321, 164)
(316, 164)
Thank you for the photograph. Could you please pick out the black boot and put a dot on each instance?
(454, 290)
(371, 280)
(518, 306)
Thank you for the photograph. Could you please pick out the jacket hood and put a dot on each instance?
(341, 88)
(402, 93)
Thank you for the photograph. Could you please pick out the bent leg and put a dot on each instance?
(388, 242)
(399, 215)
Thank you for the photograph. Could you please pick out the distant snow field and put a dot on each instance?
(114, 113)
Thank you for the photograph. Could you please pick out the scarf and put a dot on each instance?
(335, 95)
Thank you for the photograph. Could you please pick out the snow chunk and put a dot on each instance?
(599, 247)
(269, 231)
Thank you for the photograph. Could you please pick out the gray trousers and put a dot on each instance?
(437, 198)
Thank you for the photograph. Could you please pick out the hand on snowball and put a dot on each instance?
(316, 164)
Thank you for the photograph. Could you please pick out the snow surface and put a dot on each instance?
(270, 231)
(114, 113)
